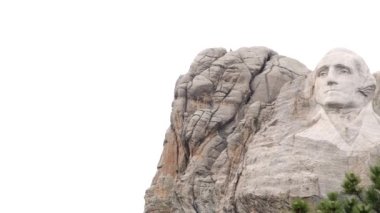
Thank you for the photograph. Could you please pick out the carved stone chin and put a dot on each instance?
(251, 129)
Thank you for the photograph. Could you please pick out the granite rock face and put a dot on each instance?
(248, 135)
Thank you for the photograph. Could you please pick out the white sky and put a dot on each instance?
(86, 86)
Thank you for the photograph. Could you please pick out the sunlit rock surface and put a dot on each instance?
(247, 135)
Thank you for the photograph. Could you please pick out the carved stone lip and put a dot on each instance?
(332, 90)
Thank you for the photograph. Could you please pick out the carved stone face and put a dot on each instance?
(337, 81)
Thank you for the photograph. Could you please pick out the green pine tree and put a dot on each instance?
(300, 206)
(351, 184)
(331, 204)
(349, 204)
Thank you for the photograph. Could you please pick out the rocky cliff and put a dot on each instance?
(237, 140)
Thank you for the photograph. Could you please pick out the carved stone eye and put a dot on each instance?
(344, 71)
(322, 73)
(341, 69)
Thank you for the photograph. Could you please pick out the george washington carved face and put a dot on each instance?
(342, 80)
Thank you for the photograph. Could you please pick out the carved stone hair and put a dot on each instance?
(368, 81)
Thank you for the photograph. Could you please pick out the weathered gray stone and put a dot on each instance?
(251, 130)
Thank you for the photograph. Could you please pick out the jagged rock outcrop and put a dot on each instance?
(237, 140)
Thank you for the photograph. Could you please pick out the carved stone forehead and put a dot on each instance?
(345, 57)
